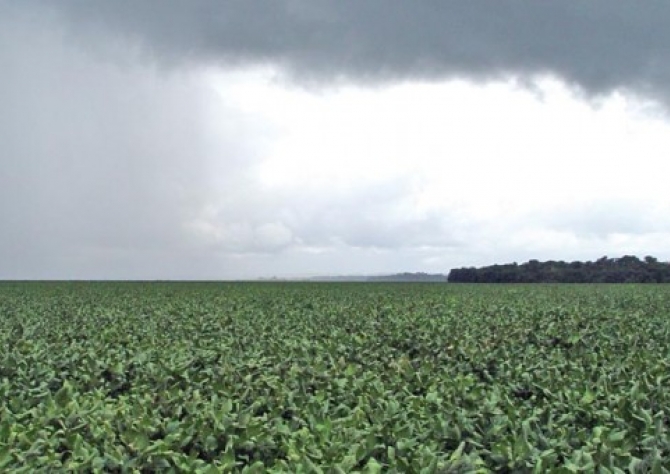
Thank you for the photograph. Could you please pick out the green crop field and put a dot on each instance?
(308, 377)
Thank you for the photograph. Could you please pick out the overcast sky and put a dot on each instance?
(217, 139)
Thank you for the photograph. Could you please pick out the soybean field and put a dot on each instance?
(334, 377)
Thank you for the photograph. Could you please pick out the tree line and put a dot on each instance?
(627, 269)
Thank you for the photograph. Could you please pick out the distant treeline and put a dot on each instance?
(627, 269)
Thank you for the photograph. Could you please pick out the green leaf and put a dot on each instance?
(390, 452)
(587, 398)
(373, 466)
(64, 395)
(615, 436)
(6, 457)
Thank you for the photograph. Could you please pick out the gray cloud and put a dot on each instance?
(118, 161)
(597, 45)
(101, 162)
(603, 218)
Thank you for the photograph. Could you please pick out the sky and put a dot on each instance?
(221, 139)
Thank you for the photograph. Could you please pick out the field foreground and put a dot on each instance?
(293, 377)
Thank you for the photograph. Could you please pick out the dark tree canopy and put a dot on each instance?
(627, 269)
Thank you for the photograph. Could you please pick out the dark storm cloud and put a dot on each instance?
(597, 45)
